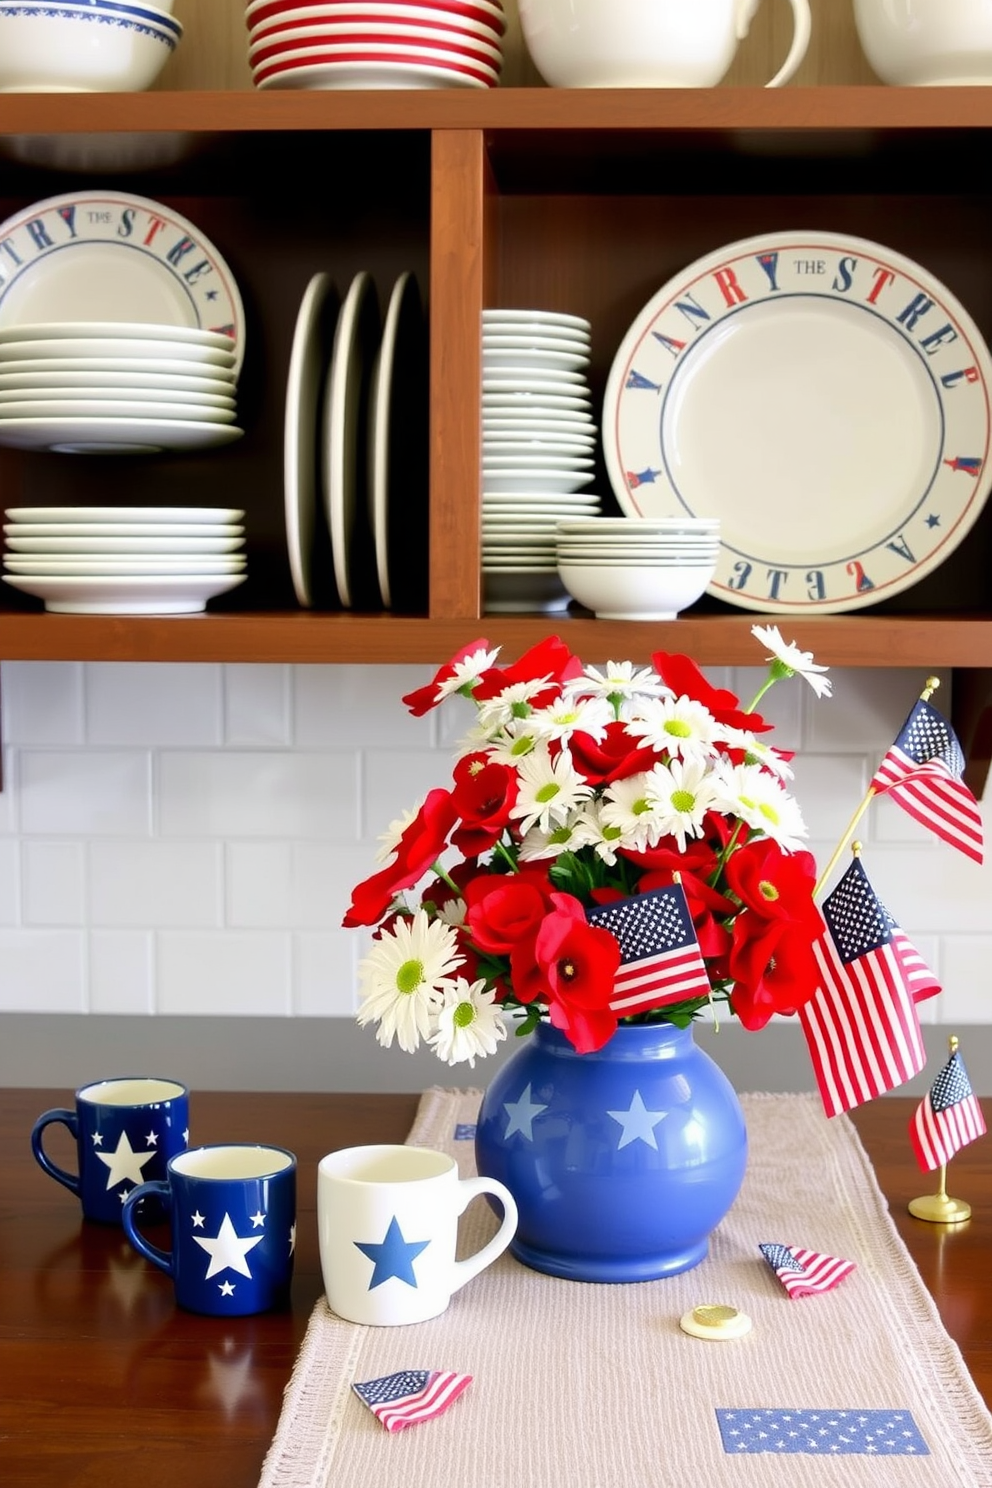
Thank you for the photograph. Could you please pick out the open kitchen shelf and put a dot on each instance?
(580, 201)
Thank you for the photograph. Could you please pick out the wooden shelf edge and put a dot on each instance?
(317, 638)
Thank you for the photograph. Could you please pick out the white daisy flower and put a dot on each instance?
(681, 727)
(390, 838)
(792, 661)
(568, 715)
(620, 682)
(591, 830)
(512, 744)
(466, 673)
(401, 980)
(549, 789)
(680, 793)
(537, 844)
(513, 702)
(628, 816)
(468, 1024)
(760, 799)
(755, 750)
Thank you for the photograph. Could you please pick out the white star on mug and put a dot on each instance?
(125, 1162)
(227, 1251)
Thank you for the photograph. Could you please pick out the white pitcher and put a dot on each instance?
(646, 43)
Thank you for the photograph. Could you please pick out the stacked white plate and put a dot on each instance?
(109, 387)
(637, 568)
(364, 44)
(113, 560)
(539, 442)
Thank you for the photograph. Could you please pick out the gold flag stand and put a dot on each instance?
(938, 1208)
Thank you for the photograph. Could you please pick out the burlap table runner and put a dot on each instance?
(578, 1385)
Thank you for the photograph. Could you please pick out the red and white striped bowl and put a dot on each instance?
(267, 14)
(276, 45)
(324, 67)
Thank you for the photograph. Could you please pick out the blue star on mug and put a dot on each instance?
(393, 1256)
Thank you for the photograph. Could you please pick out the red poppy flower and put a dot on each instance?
(775, 885)
(420, 845)
(550, 658)
(772, 966)
(685, 679)
(504, 909)
(423, 699)
(613, 757)
(576, 963)
(483, 793)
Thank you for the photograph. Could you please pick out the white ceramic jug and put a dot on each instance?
(646, 43)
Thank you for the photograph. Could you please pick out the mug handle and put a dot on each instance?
(163, 1259)
(50, 1118)
(802, 25)
(469, 1189)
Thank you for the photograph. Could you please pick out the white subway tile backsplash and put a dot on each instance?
(53, 883)
(152, 884)
(232, 972)
(10, 882)
(42, 702)
(257, 706)
(201, 862)
(326, 980)
(121, 972)
(350, 707)
(264, 794)
(156, 703)
(42, 971)
(68, 792)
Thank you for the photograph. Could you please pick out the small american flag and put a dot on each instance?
(411, 1395)
(947, 1118)
(803, 1273)
(922, 772)
(861, 1025)
(660, 959)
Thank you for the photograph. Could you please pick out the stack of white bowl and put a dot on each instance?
(116, 386)
(637, 568)
(364, 44)
(116, 560)
(538, 449)
(85, 46)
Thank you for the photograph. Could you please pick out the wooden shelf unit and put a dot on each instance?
(584, 201)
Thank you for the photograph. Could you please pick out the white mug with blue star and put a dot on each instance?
(232, 1210)
(125, 1129)
(387, 1221)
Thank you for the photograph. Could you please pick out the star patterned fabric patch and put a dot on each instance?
(821, 1433)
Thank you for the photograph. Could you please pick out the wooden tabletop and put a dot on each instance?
(105, 1382)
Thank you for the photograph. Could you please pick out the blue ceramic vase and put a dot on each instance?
(622, 1162)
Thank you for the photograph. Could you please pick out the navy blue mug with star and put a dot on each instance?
(126, 1129)
(232, 1211)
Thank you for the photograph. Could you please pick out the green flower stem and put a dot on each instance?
(445, 877)
(507, 856)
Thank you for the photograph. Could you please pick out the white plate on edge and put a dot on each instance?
(84, 408)
(101, 329)
(312, 340)
(108, 382)
(114, 436)
(131, 348)
(163, 397)
(212, 516)
(399, 410)
(165, 594)
(344, 433)
(537, 480)
(124, 566)
(885, 435)
(125, 257)
(112, 369)
(536, 317)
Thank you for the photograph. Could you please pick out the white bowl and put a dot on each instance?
(927, 42)
(635, 591)
(73, 49)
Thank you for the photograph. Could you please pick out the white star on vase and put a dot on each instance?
(124, 1163)
(638, 1123)
(227, 1251)
(521, 1114)
(227, 1289)
(257, 1220)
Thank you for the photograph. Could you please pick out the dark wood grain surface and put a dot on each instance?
(105, 1383)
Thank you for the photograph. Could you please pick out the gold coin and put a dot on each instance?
(713, 1316)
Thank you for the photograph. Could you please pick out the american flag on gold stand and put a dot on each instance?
(922, 772)
(861, 1025)
(947, 1118)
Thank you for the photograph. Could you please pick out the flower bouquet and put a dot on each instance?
(577, 791)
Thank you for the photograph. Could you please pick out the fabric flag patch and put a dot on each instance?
(822, 1433)
(804, 1273)
(947, 1118)
(411, 1395)
(861, 1025)
(922, 773)
(660, 959)
(465, 1131)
